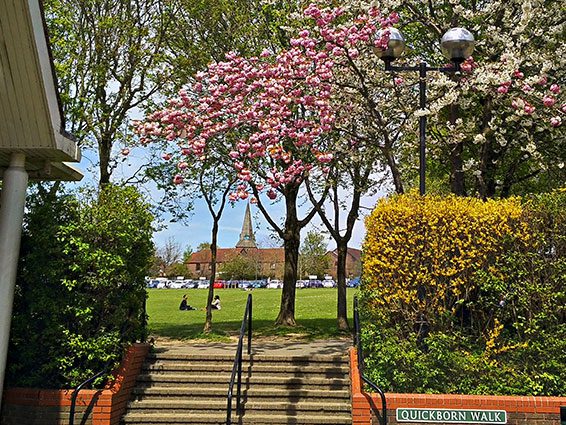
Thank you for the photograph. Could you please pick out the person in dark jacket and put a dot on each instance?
(184, 305)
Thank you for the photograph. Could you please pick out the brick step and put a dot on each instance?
(270, 407)
(171, 391)
(247, 419)
(164, 379)
(324, 369)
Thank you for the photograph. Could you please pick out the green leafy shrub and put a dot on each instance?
(504, 334)
(80, 291)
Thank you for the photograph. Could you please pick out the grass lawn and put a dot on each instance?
(315, 312)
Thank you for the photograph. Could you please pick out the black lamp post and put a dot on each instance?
(457, 44)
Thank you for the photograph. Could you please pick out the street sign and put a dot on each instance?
(452, 416)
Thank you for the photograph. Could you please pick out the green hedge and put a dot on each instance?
(504, 334)
(80, 289)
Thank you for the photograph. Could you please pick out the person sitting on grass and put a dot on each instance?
(216, 303)
(184, 305)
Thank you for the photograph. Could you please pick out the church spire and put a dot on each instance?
(247, 238)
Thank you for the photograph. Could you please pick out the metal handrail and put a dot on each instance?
(237, 368)
(80, 387)
(361, 365)
(125, 329)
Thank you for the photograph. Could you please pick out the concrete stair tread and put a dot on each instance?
(252, 392)
(290, 418)
(247, 418)
(219, 379)
(250, 404)
(178, 386)
(259, 368)
(256, 358)
(174, 418)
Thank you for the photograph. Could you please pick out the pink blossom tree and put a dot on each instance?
(273, 116)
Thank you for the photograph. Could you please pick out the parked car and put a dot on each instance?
(275, 284)
(314, 284)
(218, 284)
(354, 283)
(245, 284)
(302, 284)
(259, 284)
(203, 284)
(176, 284)
(190, 284)
(233, 284)
(152, 283)
(328, 283)
(161, 284)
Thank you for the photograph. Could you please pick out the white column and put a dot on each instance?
(12, 205)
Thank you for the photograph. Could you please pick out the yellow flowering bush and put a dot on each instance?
(421, 252)
(464, 296)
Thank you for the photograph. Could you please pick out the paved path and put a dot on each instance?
(279, 346)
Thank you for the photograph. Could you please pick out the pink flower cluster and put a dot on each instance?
(468, 65)
(342, 39)
(269, 114)
(527, 95)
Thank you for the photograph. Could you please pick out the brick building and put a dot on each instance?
(269, 262)
(353, 263)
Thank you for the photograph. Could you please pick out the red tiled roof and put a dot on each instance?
(356, 254)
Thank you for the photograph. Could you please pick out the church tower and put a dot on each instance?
(247, 238)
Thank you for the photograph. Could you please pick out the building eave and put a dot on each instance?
(31, 117)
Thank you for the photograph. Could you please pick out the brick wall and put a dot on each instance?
(520, 410)
(94, 407)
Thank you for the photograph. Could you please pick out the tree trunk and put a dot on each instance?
(292, 241)
(456, 170)
(395, 173)
(213, 250)
(104, 149)
(342, 316)
(457, 182)
(286, 315)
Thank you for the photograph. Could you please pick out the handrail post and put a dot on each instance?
(361, 365)
(237, 368)
(72, 410)
(76, 393)
(250, 325)
(229, 409)
(239, 391)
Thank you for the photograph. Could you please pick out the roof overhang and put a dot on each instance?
(31, 119)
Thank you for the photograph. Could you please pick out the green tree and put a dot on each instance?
(203, 245)
(80, 292)
(107, 55)
(187, 253)
(177, 269)
(205, 30)
(239, 267)
(313, 256)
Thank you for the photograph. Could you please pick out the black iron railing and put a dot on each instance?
(80, 387)
(126, 328)
(237, 368)
(361, 366)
